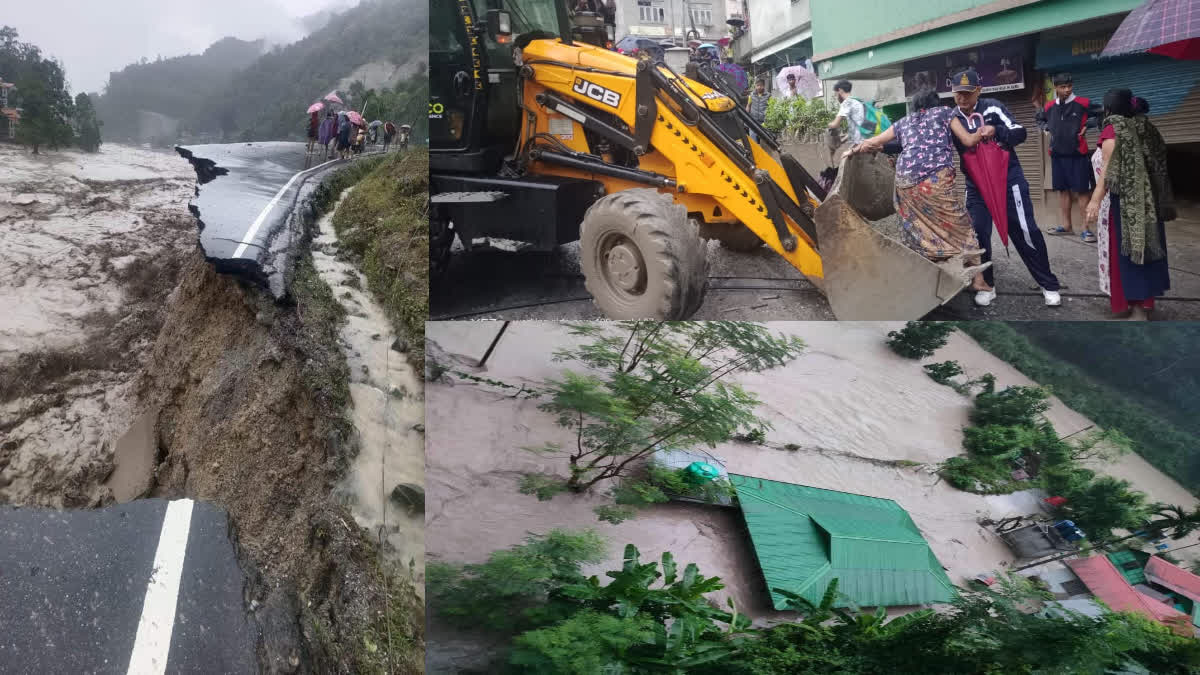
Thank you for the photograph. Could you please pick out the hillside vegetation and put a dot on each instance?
(236, 91)
(1141, 380)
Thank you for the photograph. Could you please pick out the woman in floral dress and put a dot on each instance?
(933, 218)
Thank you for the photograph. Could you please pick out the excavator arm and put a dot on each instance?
(689, 132)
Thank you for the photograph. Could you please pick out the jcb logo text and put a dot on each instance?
(596, 92)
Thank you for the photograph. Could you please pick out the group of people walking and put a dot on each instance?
(340, 136)
(1124, 187)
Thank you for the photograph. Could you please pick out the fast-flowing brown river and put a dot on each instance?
(851, 405)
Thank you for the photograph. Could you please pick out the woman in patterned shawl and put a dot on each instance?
(1134, 180)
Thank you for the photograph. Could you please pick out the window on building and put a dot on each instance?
(652, 14)
(702, 17)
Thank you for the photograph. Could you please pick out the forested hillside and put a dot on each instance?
(1143, 379)
(234, 91)
(173, 87)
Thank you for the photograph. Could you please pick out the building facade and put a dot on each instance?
(673, 20)
(1016, 46)
(11, 115)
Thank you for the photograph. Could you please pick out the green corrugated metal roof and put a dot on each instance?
(1134, 575)
(805, 537)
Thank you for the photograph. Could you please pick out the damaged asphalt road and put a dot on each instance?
(148, 587)
(245, 205)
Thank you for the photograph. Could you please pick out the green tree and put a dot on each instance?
(643, 621)
(1014, 406)
(942, 372)
(40, 92)
(45, 108)
(1175, 519)
(653, 386)
(919, 339)
(86, 124)
(517, 588)
(1104, 504)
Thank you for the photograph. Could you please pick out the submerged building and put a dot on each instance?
(805, 537)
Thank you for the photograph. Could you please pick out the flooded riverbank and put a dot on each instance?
(90, 247)
(861, 419)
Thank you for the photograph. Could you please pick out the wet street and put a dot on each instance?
(245, 202)
(146, 587)
(762, 286)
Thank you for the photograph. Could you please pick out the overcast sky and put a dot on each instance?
(95, 37)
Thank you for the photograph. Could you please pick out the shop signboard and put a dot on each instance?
(1001, 67)
(1058, 52)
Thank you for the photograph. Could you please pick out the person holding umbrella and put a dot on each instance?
(314, 124)
(992, 120)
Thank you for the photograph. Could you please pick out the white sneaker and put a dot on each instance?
(985, 298)
(1053, 299)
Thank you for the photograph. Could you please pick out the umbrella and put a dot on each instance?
(734, 74)
(406, 126)
(1167, 27)
(376, 123)
(806, 82)
(332, 97)
(355, 118)
(987, 164)
(316, 107)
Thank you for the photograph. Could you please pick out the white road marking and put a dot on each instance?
(248, 238)
(153, 641)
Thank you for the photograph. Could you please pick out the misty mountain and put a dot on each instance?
(237, 91)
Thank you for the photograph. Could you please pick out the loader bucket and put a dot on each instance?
(870, 276)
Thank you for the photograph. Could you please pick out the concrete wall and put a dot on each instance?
(677, 24)
(773, 20)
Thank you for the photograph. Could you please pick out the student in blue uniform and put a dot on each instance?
(1022, 228)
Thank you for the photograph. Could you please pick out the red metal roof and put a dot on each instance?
(1175, 578)
(1107, 583)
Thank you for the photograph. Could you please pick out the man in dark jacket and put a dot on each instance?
(1023, 232)
(1066, 118)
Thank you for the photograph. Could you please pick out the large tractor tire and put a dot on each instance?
(642, 257)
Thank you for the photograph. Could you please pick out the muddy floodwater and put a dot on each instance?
(388, 407)
(89, 248)
(864, 419)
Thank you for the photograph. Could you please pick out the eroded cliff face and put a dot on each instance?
(251, 398)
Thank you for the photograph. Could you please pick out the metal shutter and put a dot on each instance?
(1032, 153)
(1169, 85)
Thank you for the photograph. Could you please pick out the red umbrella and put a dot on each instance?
(316, 107)
(987, 164)
(332, 97)
(1167, 27)
(355, 118)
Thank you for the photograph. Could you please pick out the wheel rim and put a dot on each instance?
(622, 266)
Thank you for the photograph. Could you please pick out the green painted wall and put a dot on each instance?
(837, 23)
(1029, 19)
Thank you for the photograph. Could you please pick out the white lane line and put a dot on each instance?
(248, 238)
(153, 642)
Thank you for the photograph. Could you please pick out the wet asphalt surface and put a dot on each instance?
(245, 205)
(761, 286)
(73, 586)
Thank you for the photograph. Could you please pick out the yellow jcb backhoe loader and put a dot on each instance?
(544, 139)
